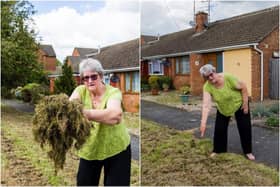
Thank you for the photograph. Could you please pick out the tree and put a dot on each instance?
(58, 63)
(65, 83)
(18, 45)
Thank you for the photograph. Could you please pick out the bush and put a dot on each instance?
(65, 83)
(33, 92)
(261, 111)
(154, 82)
(274, 108)
(184, 90)
(18, 93)
(6, 93)
(272, 121)
(165, 80)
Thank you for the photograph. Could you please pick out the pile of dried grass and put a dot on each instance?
(58, 124)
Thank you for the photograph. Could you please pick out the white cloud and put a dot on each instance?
(173, 15)
(66, 28)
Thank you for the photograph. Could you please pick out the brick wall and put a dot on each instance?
(144, 69)
(268, 45)
(196, 81)
(49, 63)
(131, 102)
(256, 76)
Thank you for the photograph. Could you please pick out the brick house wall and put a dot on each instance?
(268, 45)
(49, 63)
(256, 76)
(131, 102)
(196, 81)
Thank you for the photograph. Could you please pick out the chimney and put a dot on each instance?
(201, 20)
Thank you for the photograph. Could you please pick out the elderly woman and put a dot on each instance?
(231, 97)
(109, 143)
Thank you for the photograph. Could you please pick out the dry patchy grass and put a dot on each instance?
(16, 129)
(171, 157)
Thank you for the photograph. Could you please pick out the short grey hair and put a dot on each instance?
(207, 69)
(90, 64)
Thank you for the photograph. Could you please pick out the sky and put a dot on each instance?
(167, 16)
(90, 24)
(99, 23)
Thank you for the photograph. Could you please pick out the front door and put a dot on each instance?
(219, 62)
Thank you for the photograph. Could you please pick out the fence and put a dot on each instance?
(274, 78)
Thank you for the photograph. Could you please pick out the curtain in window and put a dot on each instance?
(127, 82)
(135, 83)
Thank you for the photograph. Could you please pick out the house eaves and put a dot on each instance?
(201, 51)
(122, 70)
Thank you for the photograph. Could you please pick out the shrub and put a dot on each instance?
(272, 121)
(6, 93)
(165, 80)
(261, 111)
(184, 90)
(145, 84)
(18, 93)
(33, 92)
(154, 82)
(65, 83)
(274, 108)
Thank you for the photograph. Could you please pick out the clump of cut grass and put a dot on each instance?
(58, 124)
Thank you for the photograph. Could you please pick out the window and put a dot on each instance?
(106, 79)
(132, 82)
(156, 67)
(183, 65)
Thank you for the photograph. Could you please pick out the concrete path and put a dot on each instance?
(265, 141)
(26, 107)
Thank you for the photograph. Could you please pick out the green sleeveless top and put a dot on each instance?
(105, 140)
(228, 98)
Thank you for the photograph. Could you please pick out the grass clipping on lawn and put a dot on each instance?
(58, 124)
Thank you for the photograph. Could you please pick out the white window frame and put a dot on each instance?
(106, 78)
(150, 67)
(131, 81)
(179, 61)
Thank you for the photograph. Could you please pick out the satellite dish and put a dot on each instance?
(192, 23)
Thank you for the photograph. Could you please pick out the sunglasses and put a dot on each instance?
(208, 76)
(92, 77)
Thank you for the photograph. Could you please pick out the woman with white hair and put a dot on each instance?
(109, 143)
(231, 97)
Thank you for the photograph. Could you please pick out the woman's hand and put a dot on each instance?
(202, 129)
(206, 106)
(245, 108)
(112, 115)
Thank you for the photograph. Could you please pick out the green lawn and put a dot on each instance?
(16, 127)
(172, 157)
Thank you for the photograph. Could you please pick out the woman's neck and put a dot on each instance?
(99, 91)
(220, 81)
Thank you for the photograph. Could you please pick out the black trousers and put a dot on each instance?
(221, 130)
(116, 170)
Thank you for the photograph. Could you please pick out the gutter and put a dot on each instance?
(201, 51)
(122, 69)
(261, 52)
(105, 71)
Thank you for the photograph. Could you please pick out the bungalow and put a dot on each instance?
(241, 45)
(121, 64)
(47, 57)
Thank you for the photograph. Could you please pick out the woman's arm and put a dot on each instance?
(206, 106)
(111, 115)
(244, 92)
(74, 95)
